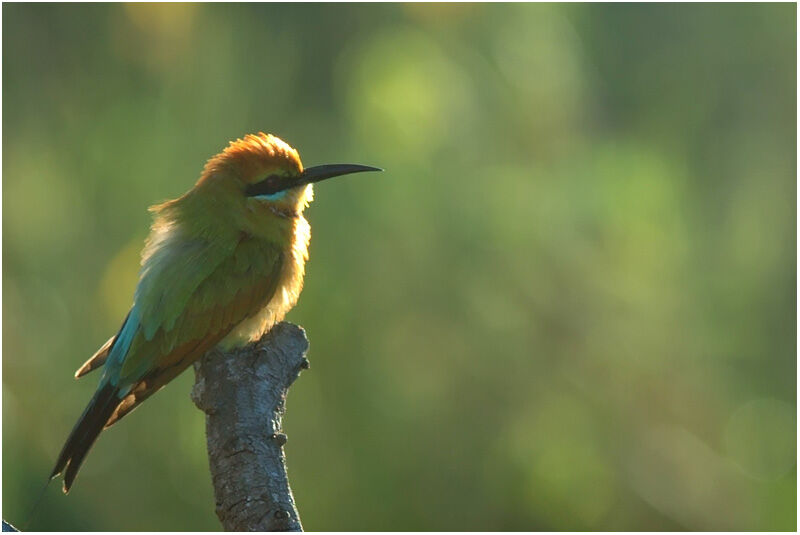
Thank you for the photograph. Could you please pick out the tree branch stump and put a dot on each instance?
(243, 394)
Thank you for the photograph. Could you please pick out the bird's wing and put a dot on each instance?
(174, 266)
(237, 289)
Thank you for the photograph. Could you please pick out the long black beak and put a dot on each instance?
(275, 183)
(324, 172)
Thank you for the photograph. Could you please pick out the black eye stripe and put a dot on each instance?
(268, 186)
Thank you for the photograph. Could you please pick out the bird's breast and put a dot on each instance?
(288, 285)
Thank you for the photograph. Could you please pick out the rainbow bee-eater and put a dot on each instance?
(222, 264)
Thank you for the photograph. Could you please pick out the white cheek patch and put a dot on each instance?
(271, 196)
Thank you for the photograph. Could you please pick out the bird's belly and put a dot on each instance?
(254, 327)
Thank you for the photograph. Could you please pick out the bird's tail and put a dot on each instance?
(85, 432)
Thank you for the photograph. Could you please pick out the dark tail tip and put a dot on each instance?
(84, 434)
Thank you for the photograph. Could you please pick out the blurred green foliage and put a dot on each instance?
(568, 304)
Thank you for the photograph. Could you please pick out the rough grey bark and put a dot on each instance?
(243, 394)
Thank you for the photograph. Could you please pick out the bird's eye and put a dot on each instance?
(269, 186)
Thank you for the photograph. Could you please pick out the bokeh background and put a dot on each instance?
(569, 302)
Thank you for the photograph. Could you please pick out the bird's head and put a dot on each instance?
(265, 172)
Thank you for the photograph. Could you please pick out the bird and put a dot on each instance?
(222, 264)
